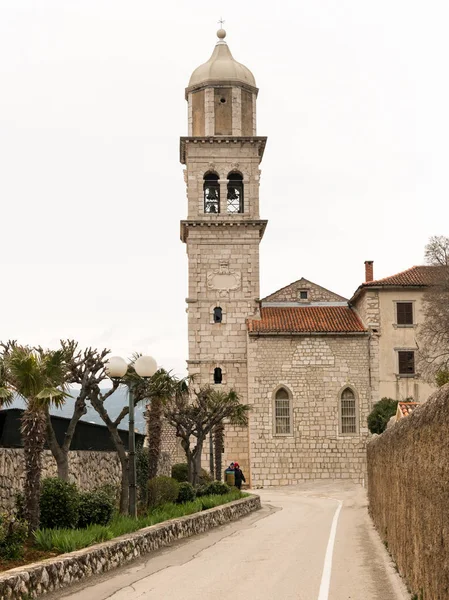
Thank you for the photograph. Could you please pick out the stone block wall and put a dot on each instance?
(314, 369)
(408, 491)
(87, 469)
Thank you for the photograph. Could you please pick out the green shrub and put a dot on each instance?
(202, 490)
(95, 508)
(215, 488)
(186, 492)
(442, 377)
(112, 491)
(59, 504)
(162, 490)
(13, 534)
(381, 414)
(218, 488)
(180, 473)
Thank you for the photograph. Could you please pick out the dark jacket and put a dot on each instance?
(238, 477)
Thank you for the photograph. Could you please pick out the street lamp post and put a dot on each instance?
(116, 368)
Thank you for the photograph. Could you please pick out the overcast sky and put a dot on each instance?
(354, 99)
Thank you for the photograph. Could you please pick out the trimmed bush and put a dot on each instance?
(186, 492)
(202, 490)
(59, 504)
(13, 534)
(215, 488)
(180, 473)
(162, 490)
(95, 508)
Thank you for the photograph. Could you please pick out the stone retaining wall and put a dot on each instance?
(56, 573)
(87, 469)
(408, 490)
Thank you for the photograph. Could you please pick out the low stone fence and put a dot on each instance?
(56, 573)
(408, 490)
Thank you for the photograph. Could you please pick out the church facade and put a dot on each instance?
(305, 359)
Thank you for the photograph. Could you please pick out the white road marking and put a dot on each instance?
(327, 568)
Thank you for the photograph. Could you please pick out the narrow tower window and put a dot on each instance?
(218, 376)
(235, 193)
(218, 314)
(211, 193)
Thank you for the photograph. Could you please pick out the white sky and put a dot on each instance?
(354, 99)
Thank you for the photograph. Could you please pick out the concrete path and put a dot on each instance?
(309, 542)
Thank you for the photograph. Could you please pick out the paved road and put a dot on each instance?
(309, 542)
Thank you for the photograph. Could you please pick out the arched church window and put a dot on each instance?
(282, 412)
(348, 412)
(218, 314)
(235, 193)
(218, 375)
(211, 189)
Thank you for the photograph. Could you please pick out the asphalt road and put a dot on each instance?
(309, 542)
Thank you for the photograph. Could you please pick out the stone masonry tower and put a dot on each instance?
(223, 230)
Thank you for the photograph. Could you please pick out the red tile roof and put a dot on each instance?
(407, 407)
(415, 276)
(306, 319)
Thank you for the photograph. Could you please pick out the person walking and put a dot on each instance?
(238, 476)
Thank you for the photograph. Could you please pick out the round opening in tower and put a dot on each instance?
(222, 100)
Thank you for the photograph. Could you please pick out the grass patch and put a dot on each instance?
(68, 540)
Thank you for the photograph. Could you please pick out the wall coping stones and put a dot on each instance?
(35, 579)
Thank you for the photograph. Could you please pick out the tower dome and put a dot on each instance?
(221, 68)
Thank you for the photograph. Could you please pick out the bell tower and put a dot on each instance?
(222, 232)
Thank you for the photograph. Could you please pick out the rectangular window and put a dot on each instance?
(303, 295)
(282, 408)
(406, 359)
(404, 313)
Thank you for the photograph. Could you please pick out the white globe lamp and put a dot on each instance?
(145, 366)
(116, 367)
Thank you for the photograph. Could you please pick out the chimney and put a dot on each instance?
(369, 270)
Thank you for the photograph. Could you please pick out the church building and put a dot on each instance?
(304, 358)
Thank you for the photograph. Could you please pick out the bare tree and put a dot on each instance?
(436, 251)
(195, 414)
(85, 368)
(433, 334)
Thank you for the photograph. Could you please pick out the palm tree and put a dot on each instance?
(38, 376)
(162, 386)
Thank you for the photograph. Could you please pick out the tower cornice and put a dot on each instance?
(259, 224)
(219, 139)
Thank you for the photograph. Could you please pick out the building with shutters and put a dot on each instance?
(309, 362)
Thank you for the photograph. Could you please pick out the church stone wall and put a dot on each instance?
(314, 369)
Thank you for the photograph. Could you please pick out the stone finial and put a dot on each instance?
(221, 34)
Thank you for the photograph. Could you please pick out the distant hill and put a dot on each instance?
(114, 405)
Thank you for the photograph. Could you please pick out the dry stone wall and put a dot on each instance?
(57, 573)
(408, 490)
(87, 469)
